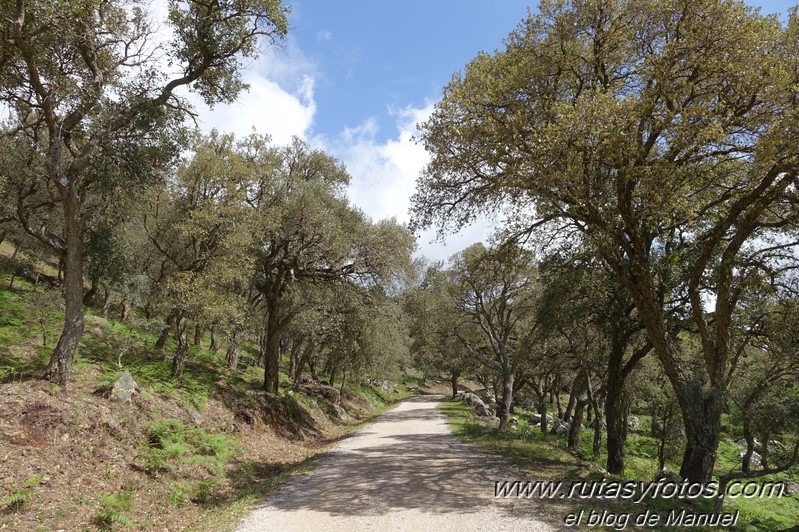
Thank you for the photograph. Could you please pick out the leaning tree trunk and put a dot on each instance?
(305, 357)
(61, 360)
(577, 420)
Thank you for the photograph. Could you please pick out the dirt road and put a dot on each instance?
(404, 472)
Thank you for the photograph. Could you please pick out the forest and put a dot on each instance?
(639, 161)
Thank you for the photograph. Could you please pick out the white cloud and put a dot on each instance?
(384, 177)
(267, 107)
(280, 101)
(324, 36)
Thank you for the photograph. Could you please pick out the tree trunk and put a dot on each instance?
(556, 392)
(179, 361)
(702, 423)
(109, 296)
(615, 407)
(271, 351)
(596, 447)
(61, 360)
(746, 461)
(164, 336)
(305, 357)
(198, 335)
(572, 397)
(88, 299)
(505, 402)
(453, 378)
(577, 420)
(542, 411)
(616, 421)
(232, 354)
(333, 370)
(214, 347)
(126, 308)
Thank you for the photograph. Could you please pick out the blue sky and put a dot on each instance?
(354, 78)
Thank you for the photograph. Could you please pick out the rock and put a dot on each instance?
(791, 487)
(330, 393)
(245, 361)
(560, 427)
(479, 406)
(470, 399)
(778, 444)
(195, 416)
(482, 410)
(758, 446)
(593, 423)
(633, 423)
(755, 462)
(108, 419)
(667, 475)
(528, 403)
(593, 466)
(386, 386)
(513, 420)
(124, 388)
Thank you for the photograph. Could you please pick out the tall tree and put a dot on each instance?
(308, 232)
(664, 134)
(85, 81)
(495, 290)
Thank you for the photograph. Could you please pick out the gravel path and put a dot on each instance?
(406, 471)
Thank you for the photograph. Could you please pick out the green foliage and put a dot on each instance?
(170, 441)
(113, 510)
(20, 496)
(180, 493)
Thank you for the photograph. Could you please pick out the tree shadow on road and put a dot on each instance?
(432, 472)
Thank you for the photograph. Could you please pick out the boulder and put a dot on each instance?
(108, 419)
(667, 475)
(594, 467)
(535, 419)
(195, 416)
(482, 410)
(124, 388)
(560, 427)
(633, 423)
(601, 422)
(471, 399)
(330, 393)
(791, 487)
(755, 462)
(778, 444)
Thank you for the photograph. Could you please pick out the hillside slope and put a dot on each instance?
(193, 452)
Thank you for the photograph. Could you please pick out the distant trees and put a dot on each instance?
(662, 136)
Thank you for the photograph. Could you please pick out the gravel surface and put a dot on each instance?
(406, 471)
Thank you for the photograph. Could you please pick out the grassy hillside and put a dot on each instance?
(194, 452)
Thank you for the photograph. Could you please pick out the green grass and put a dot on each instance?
(543, 456)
